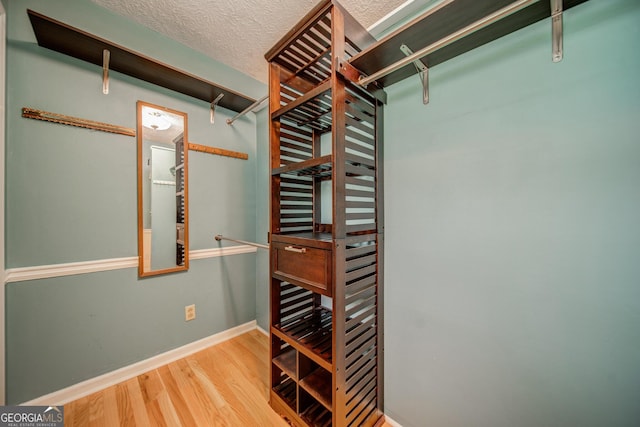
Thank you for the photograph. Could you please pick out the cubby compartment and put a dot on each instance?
(313, 412)
(300, 383)
(286, 389)
(316, 381)
(284, 373)
(287, 362)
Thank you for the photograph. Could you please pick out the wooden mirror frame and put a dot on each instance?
(181, 173)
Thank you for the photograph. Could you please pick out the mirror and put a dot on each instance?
(163, 227)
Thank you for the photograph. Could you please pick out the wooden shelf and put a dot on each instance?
(312, 60)
(318, 385)
(422, 32)
(310, 334)
(313, 109)
(286, 361)
(79, 44)
(320, 167)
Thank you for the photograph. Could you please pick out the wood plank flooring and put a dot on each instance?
(224, 385)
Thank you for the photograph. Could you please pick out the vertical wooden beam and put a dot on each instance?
(274, 141)
(339, 218)
(274, 342)
(274, 205)
(339, 126)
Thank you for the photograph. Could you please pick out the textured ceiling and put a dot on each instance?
(235, 32)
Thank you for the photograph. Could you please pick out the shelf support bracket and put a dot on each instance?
(423, 72)
(106, 56)
(556, 29)
(213, 107)
(248, 109)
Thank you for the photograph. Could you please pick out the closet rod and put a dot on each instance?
(220, 237)
(445, 41)
(248, 109)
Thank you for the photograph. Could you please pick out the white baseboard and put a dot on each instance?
(265, 333)
(85, 388)
(90, 386)
(391, 422)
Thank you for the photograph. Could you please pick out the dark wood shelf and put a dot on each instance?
(310, 334)
(320, 167)
(312, 60)
(286, 361)
(318, 385)
(312, 109)
(425, 31)
(63, 38)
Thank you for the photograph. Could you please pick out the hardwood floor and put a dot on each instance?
(224, 385)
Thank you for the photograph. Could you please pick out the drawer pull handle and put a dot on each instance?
(294, 249)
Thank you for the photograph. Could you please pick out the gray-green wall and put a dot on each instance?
(512, 231)
(71, 196)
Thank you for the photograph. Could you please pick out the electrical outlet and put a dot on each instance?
(189, 312)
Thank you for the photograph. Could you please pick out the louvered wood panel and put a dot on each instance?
(360, 193)
(361, 340)
(357, 136)
(360, 181)
(293, 217)
(359, 285)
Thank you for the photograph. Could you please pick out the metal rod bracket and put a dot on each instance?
(248, 109)
(213, 107)
(220, 237)
(423, 71)
(106, 56)
(556, 30)
(348, 71)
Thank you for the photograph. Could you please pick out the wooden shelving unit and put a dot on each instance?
(63, 38)
(326, 227)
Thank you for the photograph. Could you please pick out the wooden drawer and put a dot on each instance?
(304, 266)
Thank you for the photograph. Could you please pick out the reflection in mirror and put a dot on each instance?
(162, 190)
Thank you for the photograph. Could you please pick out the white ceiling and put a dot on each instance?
(238, 32)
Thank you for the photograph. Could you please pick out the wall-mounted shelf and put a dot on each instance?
(79, 44)
(439, 23)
